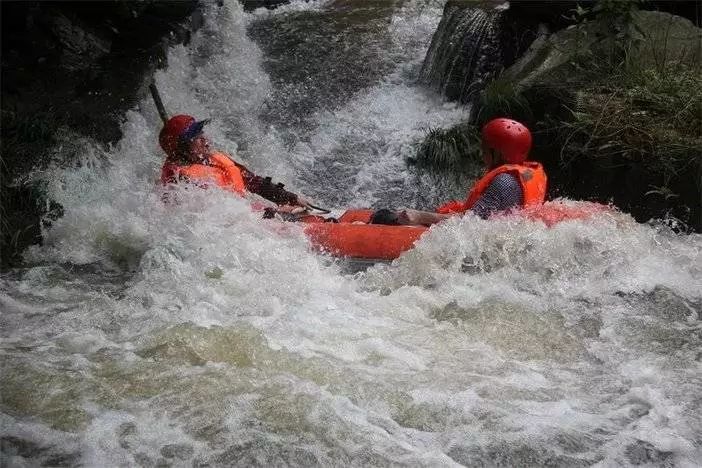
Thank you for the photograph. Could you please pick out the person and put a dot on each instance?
(510, 182)
(189, 158)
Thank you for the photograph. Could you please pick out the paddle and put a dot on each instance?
(321, 210)
(159, 103)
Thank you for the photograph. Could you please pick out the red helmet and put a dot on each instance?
(169, 138)
(511, 139)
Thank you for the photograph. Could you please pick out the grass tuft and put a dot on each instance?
(500, 98)
(453, 149)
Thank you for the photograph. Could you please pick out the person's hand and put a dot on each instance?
(410, 217)
(291, 209)
(303, 202)
(403, 217)
(417, 217)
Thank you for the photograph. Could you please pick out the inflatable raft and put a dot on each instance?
(353, 237)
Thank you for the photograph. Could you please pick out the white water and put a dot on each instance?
(141, 333)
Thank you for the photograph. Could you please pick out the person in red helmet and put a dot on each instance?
(510, 182)
(190, 158)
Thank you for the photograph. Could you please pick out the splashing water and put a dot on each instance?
(142, 334)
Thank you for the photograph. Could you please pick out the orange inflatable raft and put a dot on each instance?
(352, 236)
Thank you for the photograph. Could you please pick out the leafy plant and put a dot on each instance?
(501, 98)
(456, 148)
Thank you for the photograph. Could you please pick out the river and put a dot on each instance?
(196, 334)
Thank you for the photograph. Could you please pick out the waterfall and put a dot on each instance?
(472, 45)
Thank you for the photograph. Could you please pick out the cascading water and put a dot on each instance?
(197, 334)
(472, 44)
(465, 48)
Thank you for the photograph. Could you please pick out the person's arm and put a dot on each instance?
(503, 193)
(264, 187)
(423, 218)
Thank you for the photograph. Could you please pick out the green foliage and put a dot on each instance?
(456, 148)
(617, 16)
(637, 98)
(501, 98)
(644, 116)
(614, 20)
(636, 104)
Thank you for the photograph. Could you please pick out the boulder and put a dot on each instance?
(619, 141)
(659, 38)
(79, 65)
(475, 40)
(250, 5)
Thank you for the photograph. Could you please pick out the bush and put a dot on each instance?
(501, 98)
(454, 149)
(646, 117)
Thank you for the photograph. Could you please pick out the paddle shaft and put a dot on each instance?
(159, 103)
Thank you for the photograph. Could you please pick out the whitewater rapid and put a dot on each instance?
(197, 334)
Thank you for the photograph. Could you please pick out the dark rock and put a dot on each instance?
(78, 65)
(250, 5)
(477, 39)
(473, 43)
(559, 13)
(554, 13)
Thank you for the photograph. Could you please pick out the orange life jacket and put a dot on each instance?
(530, 174)
(221, 170)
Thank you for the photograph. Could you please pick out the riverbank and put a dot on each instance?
(71, 68)
(615, 105)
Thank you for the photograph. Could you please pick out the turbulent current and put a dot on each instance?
(197, 334)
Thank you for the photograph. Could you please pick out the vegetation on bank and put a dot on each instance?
(622, 109)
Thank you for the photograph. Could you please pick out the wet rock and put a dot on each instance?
(473, 43)
(80, 48)
(551, 57)
(477, 39)
(250, 5)
(76, 66)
